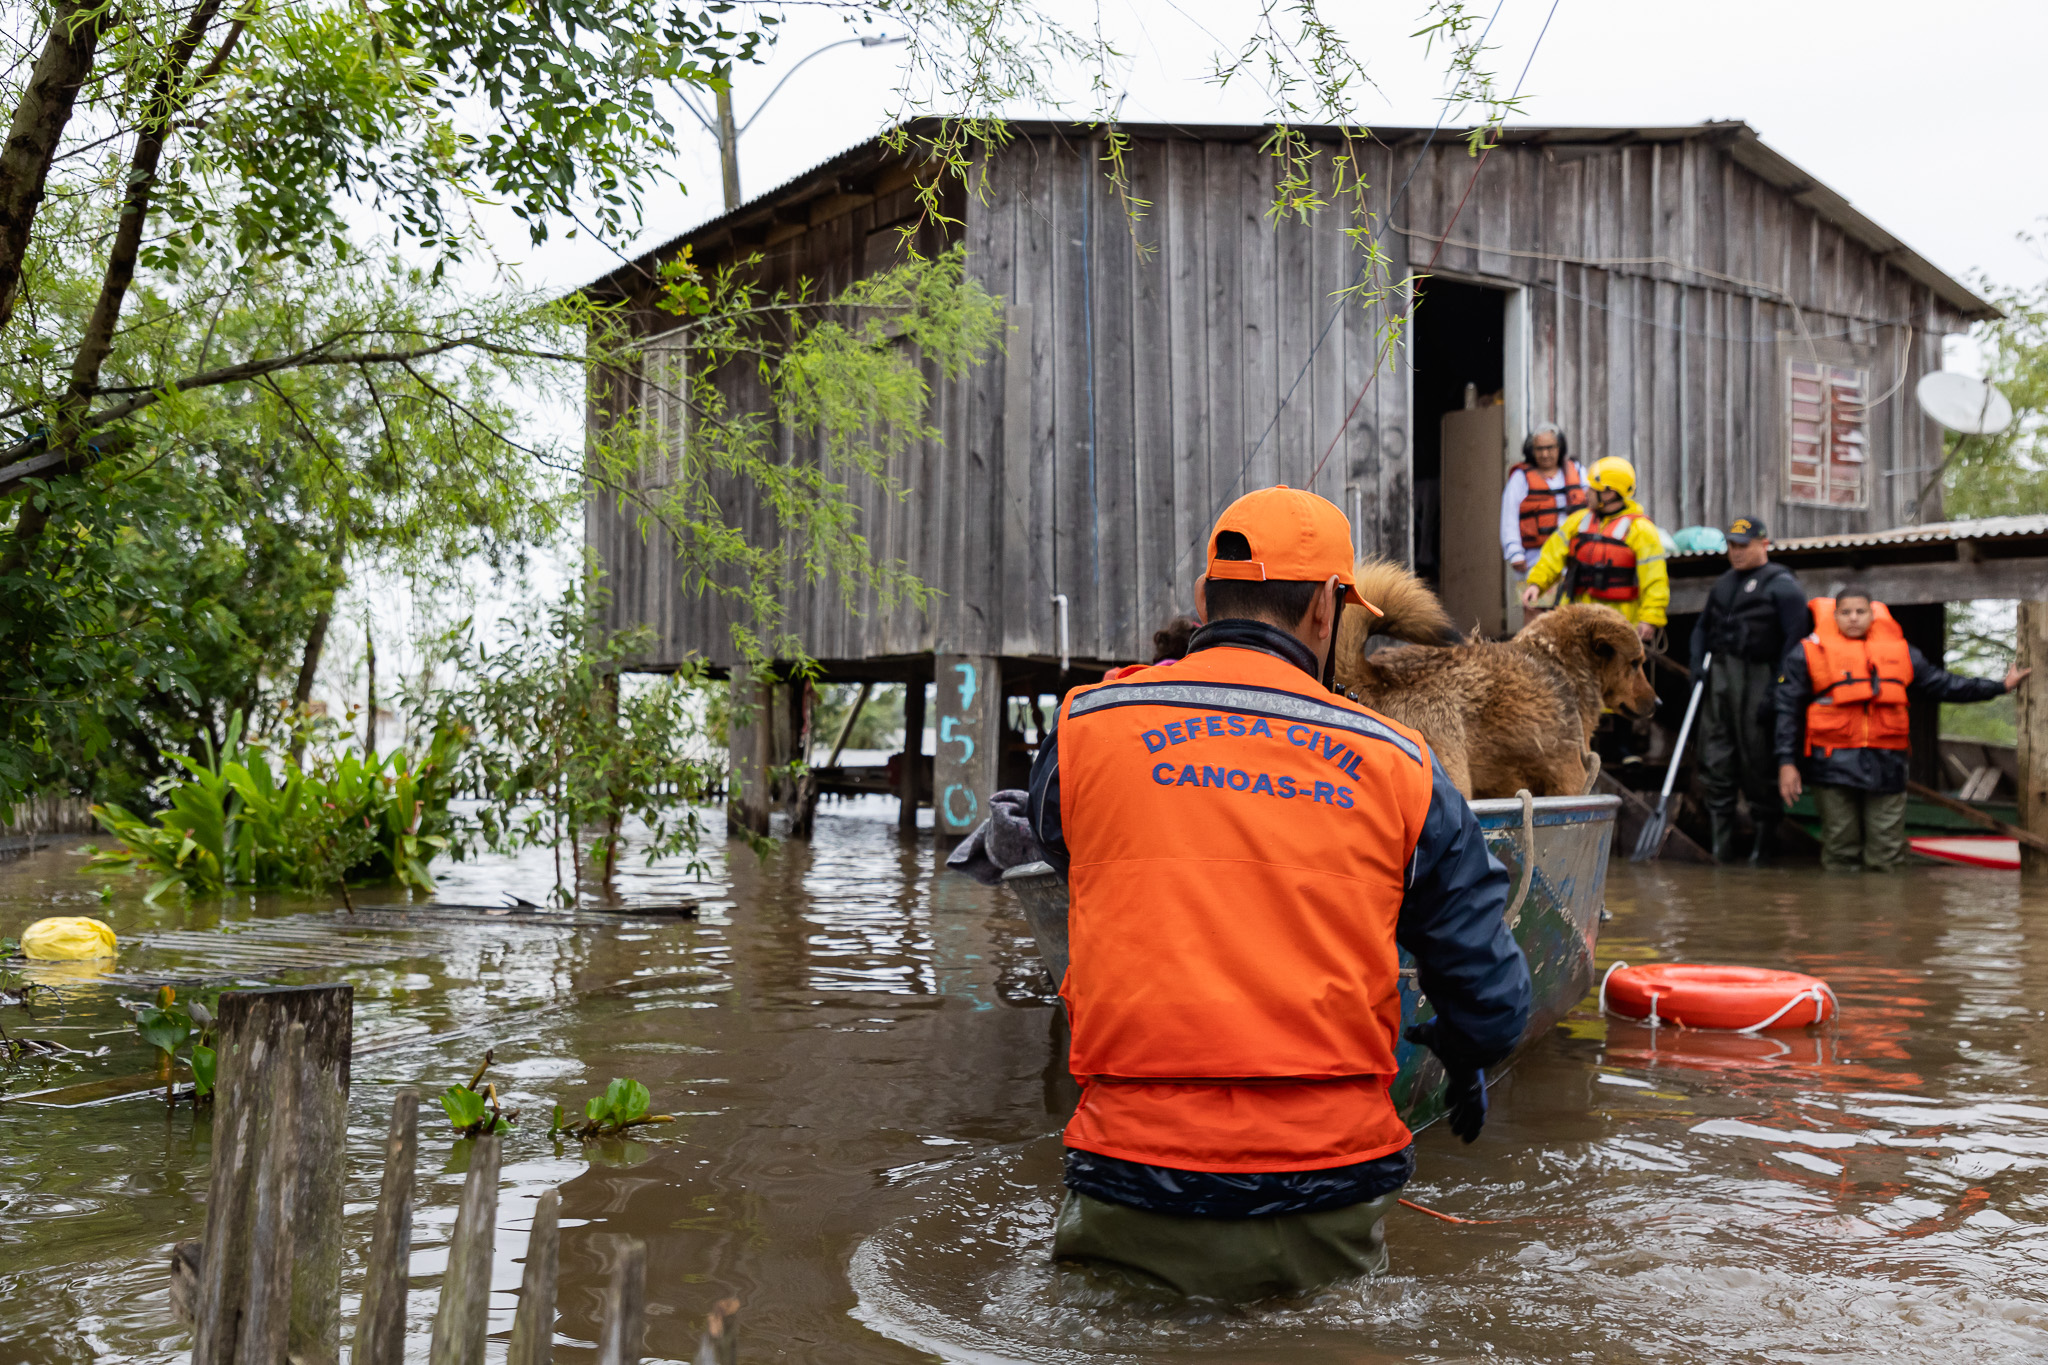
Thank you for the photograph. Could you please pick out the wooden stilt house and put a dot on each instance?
(1681, 296)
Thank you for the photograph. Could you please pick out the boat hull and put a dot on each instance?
(1556, 924)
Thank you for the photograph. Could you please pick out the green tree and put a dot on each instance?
(186, 191)
(563, 750)
(2007, 474)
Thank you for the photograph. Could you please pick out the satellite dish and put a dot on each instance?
(1962, 403)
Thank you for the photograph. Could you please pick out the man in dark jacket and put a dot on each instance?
(1753, 612)
(1842, 725)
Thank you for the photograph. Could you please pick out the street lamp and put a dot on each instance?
(724, 129)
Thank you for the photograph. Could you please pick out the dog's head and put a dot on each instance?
(1606, 645)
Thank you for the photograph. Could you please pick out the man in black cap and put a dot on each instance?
(1754, 611)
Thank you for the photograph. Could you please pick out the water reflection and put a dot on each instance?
(864, 1060)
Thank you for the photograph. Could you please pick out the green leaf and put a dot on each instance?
(559, 1121)
(627, 1101)
(205, 1061)
(464, 1107)
(165, 1030)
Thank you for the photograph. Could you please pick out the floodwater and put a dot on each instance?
(860, 1056)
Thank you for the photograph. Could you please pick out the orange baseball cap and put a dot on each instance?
(1295, 536)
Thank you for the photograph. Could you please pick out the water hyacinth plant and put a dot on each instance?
(247, 816)
(166, 1026)
(623, 1105)
(475, 1112)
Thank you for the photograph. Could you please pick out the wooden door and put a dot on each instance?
(1474, 466)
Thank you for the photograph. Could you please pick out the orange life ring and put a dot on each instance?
(1696, 995)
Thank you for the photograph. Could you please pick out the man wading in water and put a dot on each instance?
(1244, 851)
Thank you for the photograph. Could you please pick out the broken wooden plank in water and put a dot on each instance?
(463, 1315)
(625, 1306)
(270, 1267)
(533, 1325)
(380, 1321)
(525, 912)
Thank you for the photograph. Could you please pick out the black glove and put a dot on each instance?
(1465, 1088)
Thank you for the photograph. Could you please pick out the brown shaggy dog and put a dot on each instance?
(1500, 716)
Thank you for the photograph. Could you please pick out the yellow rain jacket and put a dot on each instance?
(1653, 583)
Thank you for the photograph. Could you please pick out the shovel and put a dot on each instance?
(1652, 841)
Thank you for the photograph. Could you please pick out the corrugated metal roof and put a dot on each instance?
(1982, 528)
(1742, 141)
(1930, 533)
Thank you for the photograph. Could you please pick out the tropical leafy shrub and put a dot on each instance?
(247, 816)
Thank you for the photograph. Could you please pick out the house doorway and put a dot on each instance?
(1458, 353)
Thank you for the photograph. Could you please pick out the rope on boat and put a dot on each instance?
(1514, 914)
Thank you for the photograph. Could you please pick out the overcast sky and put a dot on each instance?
(1925, 116)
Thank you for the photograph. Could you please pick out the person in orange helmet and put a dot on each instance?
(1247, 853)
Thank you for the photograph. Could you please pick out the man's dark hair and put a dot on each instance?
(1848, 590)
(1237, 599)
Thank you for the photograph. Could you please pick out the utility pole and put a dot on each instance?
(728, 142)
(722, 125)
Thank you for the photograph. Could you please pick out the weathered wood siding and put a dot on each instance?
(1163, 362)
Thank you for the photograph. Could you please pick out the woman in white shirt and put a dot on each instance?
(1544, 489)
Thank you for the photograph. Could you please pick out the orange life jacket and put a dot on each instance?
(1543, 508)
(1859, 686)
(1240, 839)
(1603, 566)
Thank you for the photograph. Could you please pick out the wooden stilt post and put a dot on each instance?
(273, 1212)
(750, 727)
(970, 743)
(911, 782)
(380, 1322)
(2032, 705)
(464, 1311)
(533, 1326)
(625, 1306)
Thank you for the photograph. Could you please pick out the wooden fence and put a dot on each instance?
(264, 1284)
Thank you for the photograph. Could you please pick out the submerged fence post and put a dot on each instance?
(464, 1313)
(380, 1322)
(533, 1326)
(270, 1260)
(625, 1307)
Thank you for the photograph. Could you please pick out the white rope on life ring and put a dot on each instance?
(1612, 968)
(1815, 993)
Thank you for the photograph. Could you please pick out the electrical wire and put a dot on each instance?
(1388, 341)
(1337, 311)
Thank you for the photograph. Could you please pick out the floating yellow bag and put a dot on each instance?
(66, 938)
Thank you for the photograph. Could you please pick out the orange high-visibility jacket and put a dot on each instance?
(1240, 840)
(1859, 686)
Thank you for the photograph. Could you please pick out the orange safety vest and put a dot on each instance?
(1859, 686)
(1543, 508)
(1240, 840)
(1603, 565)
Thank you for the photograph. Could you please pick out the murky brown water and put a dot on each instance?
(867, 1155)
